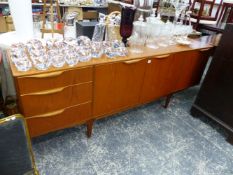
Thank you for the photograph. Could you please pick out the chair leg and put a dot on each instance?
(89, 127)
(167, 101)
(224, 14)
(221, 14)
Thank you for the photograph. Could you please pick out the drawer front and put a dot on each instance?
(68, 117)
(47, 101)
(40, 82)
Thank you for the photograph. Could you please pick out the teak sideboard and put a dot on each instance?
(59, 98)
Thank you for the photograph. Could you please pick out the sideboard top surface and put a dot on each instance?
(200, 43)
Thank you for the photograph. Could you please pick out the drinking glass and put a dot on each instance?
(84, 53)
(71, 56)
(179, 5)
(20, 58)
(152, 35)
(56, 57)
(110, 52)
(136, 43)
(22, 64)
(96, 49)
(144, 8)
(121, 51)
(83, 41)
(38, 54)
(114, 48)
(41, 62)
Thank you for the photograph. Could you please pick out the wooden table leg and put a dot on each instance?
(168, 99)
(89, 127)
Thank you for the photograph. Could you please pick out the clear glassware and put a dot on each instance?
(57, 58)
(19, 57)
(117, 44)
(136, 43)
(151, 43)
(41, 62)
(162, 37)
(17, 52)
(22, 64)
(99, 30)
(111, 52)
(153, 27)
(83, 41)
(71, 57)
(179, 5)
(114, 48)
(70, 41)
(38, 54)
(49, 43)
(144, 8)
(96, 49)
(140, 28)
(121, 51)
(84, 53)
(34, 44)
(153, 30)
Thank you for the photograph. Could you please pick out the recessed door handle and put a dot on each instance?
(133, 61)
(203, 50)
(48, 92)
(50, 114)
(46, 75)
(162, 56)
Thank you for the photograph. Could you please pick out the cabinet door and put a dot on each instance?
(156, 81)
(117, 86)
(188, 68)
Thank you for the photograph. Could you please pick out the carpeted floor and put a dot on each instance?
(148, 140)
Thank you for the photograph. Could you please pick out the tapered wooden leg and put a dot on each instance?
(195, 112)
(230, 138)
(168, 98)
(89, 127)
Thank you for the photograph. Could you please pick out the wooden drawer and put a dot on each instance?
(59, 119)
(54, 99)
(45, 81)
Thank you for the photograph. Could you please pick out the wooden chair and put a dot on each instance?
(226, 16)
(225, 13)
(15, 147)
(204, 14)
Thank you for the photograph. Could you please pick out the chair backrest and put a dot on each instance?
(205, 10)
(230, 16)
(15, 147)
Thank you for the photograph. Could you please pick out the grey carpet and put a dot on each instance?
(148, 140)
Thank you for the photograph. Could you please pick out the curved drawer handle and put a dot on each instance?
(47, 75)
(52, 91)
(133, 61)
(203, 50)
(162, 56)
(50, 114)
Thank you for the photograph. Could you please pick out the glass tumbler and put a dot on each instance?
(84, 53)
(57, 58)
(22, 64)
(71, 57)
(41, 62)
(96, 49)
